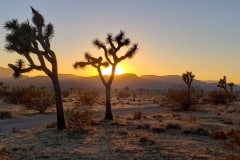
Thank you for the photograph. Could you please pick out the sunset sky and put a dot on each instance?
(174, 36)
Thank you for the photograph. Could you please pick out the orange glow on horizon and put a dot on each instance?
(107, 71)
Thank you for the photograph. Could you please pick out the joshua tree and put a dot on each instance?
(222, 83)
(231, 85)
(231, 96)
(33, 40)
(188, 79)
(112, 59)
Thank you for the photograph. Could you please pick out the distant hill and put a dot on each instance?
(131, 80)
(5, 73)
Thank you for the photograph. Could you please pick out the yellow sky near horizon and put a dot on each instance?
(173, 36)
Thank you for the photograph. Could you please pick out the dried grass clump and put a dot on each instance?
(196, 130)
(87, 98)
(79, 119)
(173, 124)
(144, 140)
(4, 154)
(217, 97)
(5, 115)
(158, 129)
(177, 98)
(137, 115)
(120, 121)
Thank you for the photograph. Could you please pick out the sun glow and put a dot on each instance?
(107, 71)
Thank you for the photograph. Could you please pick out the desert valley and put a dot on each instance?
(145, 126)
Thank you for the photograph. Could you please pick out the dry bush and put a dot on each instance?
(38, 99)
(196, 130)
(179, 96)
(146, 140)
(31, 97)
(65, 93)
(14, 94)
(120, 121)
(173, 124)
(5, 115)
(233, 139)
(137, 115)
(79, 119)
(218, 97)
(123, 94)
(87, 98)
(4, 154)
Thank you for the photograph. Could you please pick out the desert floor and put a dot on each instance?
(165, 134)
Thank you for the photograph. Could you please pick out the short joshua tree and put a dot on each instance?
(34, 40)
(111, 58)
(188, 79)
(222, 83)
(231, 86)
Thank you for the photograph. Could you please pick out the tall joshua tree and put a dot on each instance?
(231, 85)
(34, 41)
(111, 58)
(188, 79)
(222, 83)
(231, 95)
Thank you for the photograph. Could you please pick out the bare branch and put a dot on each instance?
(130, 53)
(100, 45)
(80, 64)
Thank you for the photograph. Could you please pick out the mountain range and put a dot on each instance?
(130, 80)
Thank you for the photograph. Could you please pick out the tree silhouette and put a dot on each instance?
(32, 41)
(111, 59)
(231, 96)
(222, 83)
(231, 85)
(188, 79)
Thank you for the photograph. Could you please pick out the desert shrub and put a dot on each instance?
(173, 125)
(179, 96)
(43, 102)
(37, 99)
(123, 93)
(137, 115)
(5, 115)
(30, 97)
(87, 98)
(217, 97)
(79, 119)
(14, 94)
(65, 93)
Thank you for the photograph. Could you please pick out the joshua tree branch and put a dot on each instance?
(101, 76)
(99, 44)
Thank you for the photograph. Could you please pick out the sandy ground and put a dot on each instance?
(163, 135)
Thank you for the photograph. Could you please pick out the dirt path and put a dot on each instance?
(38, 121)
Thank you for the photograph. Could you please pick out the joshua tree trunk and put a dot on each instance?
(58, 99)
(112, 59)
(108, 115)
(188, 99)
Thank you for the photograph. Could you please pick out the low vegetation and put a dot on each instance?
(39, 99)
(5, 115)
(79, 119)
(179, 97)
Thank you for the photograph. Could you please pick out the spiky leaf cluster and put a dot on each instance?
(110, 48)
(223, 83)
(115, 44)
(188, 78)
(25, 38)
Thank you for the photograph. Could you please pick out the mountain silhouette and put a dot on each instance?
(125, 80)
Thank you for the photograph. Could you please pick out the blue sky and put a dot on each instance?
(173, 35)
